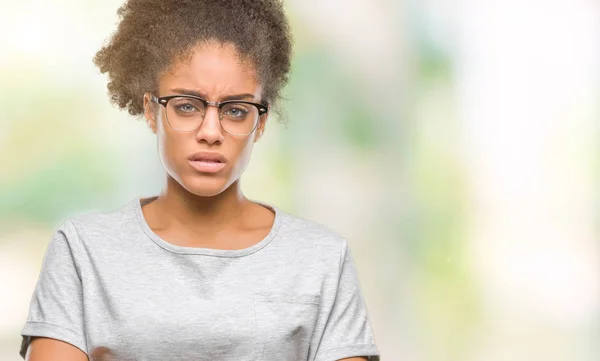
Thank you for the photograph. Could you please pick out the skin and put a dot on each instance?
(196, 209)
(47, 349)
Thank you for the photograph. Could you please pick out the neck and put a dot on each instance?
(177, 206)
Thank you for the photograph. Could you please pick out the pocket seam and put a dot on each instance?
(303, 301)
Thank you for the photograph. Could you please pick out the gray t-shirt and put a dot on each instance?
(113, 288)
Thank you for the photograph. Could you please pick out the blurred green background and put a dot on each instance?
(453, 143)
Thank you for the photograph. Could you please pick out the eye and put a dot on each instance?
(183, 106)
(235, 111)
(186, 107)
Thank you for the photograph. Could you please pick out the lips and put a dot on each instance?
(207, 162)
(207, 157)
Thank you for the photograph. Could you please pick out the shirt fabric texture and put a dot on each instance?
(114, 289)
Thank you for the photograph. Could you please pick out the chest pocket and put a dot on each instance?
(284, 325)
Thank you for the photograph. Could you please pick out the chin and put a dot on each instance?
(208, 186)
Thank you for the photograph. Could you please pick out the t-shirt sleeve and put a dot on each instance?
(348, 331)
(56, 307)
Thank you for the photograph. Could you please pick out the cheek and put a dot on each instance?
(169, 144)
(243, 156)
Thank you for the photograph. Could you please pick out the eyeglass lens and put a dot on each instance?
(186, 114)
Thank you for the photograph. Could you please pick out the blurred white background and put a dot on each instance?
(454, 143)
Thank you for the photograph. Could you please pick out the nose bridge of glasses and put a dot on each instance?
(215, 105)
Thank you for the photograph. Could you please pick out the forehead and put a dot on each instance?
(214, 69)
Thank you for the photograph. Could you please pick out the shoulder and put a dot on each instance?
(101, 226)
(75, 236)
(310, 236)
(103, 220)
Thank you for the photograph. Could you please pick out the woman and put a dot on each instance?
(199, 272)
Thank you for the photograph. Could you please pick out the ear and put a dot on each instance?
(150, 111)
(260, 129)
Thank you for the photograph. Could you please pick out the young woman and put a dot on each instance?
(198, 272)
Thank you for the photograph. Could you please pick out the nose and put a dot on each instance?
(210, 129)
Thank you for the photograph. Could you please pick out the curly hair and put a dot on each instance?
(154, 34)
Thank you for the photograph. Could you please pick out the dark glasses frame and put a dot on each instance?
(262, 108)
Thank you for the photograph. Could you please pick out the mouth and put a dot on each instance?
(207, 165)
(207, 162)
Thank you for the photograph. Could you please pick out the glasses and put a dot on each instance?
(185, 113)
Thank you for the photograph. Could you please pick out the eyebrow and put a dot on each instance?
(203, 96)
